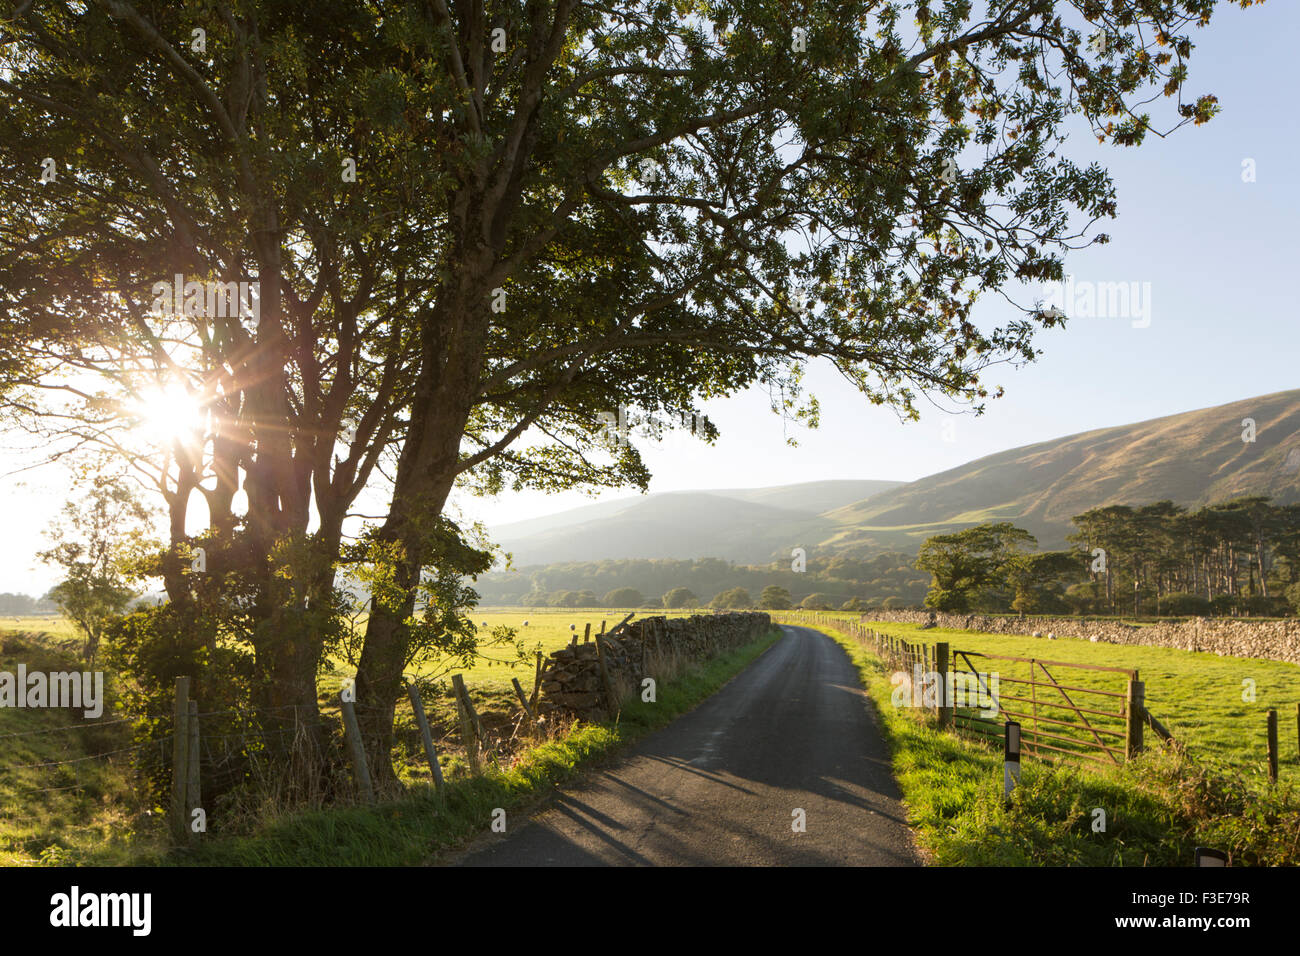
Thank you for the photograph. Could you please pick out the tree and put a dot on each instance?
(602, 207)
(1293, 597)
(819, 601)
(1085, 598)
(679, 598)
(1039, 581)
(775, 598)
(564, 599)
(733, 599)
(624, 597)
(1228, 550)
(95, 543)
(968, 563)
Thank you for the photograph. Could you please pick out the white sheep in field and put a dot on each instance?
(525, 624)
(1036, 634)
(573, 627)
(1051, 635)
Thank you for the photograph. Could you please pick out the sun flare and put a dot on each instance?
(168, 414)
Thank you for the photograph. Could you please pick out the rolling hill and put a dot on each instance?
(1193, 458)
(742, 524)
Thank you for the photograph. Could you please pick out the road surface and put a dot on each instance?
(721, 785)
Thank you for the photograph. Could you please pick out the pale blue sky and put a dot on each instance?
(1220, 255)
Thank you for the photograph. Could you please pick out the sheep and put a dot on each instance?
(1037, 634)
(1051, 635)
(525, 624)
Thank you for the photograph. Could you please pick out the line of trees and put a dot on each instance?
(1238, 556)
(13, 603)
(1235, 557)
(834, 579)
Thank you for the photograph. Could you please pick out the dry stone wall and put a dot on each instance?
(1272, 640)
(572, 682)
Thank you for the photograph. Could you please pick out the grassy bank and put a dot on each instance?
(1157, 809)
(66, 786)
(424, 826)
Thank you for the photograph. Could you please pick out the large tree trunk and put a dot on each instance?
(452, 356)
(380, 682)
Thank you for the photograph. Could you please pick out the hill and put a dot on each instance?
(740, 524)
(1193, 458)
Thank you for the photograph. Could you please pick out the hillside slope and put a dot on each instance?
(740, 524)
(1193, 458)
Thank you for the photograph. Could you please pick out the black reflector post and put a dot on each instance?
(1011, 758)
(1207, 857)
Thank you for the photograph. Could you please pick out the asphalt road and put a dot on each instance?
(720, 785)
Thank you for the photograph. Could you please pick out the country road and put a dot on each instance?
(719, 786)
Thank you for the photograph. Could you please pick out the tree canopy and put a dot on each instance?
(476, 230)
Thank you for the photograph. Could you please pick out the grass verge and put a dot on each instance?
(1155, 810)
(423, 826)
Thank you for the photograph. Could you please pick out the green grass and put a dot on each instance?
(84, 806)
(58, 628)
(1157, 809)
(548, 630)
(421, 828)
(1196, 695)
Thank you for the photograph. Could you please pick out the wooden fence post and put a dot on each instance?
(422, 721)
(537, 682)
(611, 698)
(1272, 745)
(523, 701)
(193, 793)
(586, 637)
(468, 723)
(357, 750)
(1135, 718)
(180, 757)
(941, 663)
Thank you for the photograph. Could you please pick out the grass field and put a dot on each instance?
(1156, 809)
(1197, 696)
(58, 627)
(547, 630)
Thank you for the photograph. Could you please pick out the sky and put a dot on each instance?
(1213, 255)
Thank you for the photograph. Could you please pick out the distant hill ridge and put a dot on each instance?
(743, 524)
(1193, 458)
